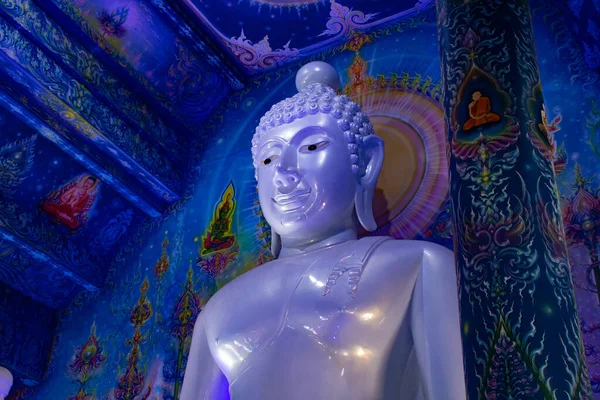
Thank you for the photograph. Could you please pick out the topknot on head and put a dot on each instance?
(317, 72)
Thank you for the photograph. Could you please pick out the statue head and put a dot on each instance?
(476, 95)
(317, 162)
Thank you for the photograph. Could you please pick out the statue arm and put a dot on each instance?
(436, 326)
(203, 378)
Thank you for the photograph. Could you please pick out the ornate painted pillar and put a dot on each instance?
(521, 336)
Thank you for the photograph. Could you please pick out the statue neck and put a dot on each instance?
(343, 236)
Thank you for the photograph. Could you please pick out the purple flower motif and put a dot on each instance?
(112, 24)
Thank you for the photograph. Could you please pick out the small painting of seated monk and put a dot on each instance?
(480, 112)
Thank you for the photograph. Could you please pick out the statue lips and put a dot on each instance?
(292, 201)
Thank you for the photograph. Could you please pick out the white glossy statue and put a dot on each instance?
(332, 317)
(6, 381)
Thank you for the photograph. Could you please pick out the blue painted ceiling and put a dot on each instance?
(102, 104)
(262, 34)
(101, 110)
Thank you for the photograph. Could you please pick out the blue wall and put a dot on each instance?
(138, 329)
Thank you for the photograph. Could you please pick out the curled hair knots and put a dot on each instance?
(313, 99)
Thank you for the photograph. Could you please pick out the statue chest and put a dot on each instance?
(326, 304)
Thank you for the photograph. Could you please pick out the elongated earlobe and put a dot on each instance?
(275, 244)
(373, 151)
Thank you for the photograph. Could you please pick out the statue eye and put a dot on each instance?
(313, 147)
(269, 160)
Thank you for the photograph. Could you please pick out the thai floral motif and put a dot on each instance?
(259, 56)
(73, 11)
(81, 395)
(357, 41)
(16, 159)
(163, 264)
(186, 310)
(440, 231)
(69, 98)
(560, 160)
(21, 346)
(142, 311)
(358, 81)
(110, 234)
(470, 41)
(551, 226)
(509, 375)
(185, 313)
(357, 72)
(112, 22)
(193, 87)
(83, 266)
(80, 60)
(582, 215)
(519, 323)
(215, 263)
(88, 358)
(593, 125)
(343, 20)
(263, 234)
(33, 277)
(130, 385)
(497, 227)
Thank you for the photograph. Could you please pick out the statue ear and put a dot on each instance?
(373, 151)
(275, 244)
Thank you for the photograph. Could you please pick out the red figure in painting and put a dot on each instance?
(480, 112)
(71, 204)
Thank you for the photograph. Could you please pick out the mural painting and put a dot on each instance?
(47, 204)
(219, 248)
(136, 36)
(176, 263)
(265, 42)
(170, 266)
(70, 205)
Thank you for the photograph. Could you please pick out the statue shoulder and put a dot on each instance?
(418, 248)
(436, 262)
(409, 254)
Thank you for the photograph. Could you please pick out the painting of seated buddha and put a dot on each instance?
(70, 205)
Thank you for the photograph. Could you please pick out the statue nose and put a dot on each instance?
(286, 180)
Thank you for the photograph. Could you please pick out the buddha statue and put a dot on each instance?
(332, 316)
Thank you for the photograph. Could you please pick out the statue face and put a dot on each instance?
(306, 185)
